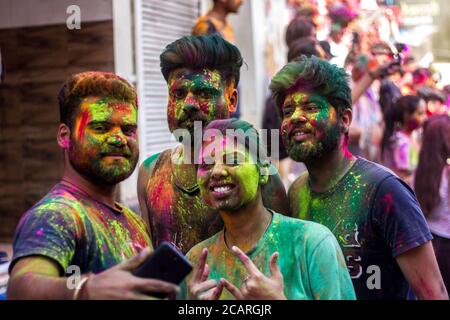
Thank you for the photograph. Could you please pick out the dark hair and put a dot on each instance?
(299, 28)
(429, 94)
(432, 160)
(199, 52)
(303, 46)
(394, 115)
(91, 83)
(313, 74)
(251, 136)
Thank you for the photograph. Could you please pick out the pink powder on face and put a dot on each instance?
(82, 127)
(40, 232)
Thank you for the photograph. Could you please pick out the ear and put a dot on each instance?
(264, 173)
(63, 136)
(346, 119)
(232, 97)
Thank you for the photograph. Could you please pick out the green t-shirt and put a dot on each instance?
(310, 260)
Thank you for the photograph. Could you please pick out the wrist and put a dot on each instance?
(81, 291)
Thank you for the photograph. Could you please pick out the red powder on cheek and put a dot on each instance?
(82, 126)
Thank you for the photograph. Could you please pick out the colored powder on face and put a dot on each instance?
(40, 232)
(82, 125)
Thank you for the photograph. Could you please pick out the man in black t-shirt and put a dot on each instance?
(373, 214)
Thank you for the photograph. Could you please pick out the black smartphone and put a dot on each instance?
(165, 263)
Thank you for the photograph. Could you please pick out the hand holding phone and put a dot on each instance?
(165, 263)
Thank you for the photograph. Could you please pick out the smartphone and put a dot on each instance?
(165, 263)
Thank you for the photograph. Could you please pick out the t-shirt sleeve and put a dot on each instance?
(329, 278)
(397, 214)
(47, 230)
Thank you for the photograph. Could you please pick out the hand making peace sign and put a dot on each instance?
(199, 288)
(257, 286)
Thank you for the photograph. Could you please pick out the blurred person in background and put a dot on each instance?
(366, 129)
(432, 186)
(299, 28)
(215, 21)
(399, 150)
(434, 99)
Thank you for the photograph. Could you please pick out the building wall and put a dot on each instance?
(36, 60)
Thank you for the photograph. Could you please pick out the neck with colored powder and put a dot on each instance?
(324, 173)
(102, 193)
(245, 226)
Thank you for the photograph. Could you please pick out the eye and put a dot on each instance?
(311, 107)
(287, 110)
(129, 130)
(204, 94)
(179, 93)
(100, 128)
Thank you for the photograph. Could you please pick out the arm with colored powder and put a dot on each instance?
(404, 229)
(145, 172)
(420, 268)
(39, 277)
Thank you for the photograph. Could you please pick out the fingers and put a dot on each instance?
(233, 290)
(199, 269)
(205, 274)
(214, 293)
(198, 288)
(134, 262)
(274, 268)
(251, 268)
(154, 285)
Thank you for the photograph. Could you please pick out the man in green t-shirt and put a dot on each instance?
(259, 254)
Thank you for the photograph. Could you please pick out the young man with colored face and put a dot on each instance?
(374, 215)
(202, 74)
(259, 254)
(78, 228)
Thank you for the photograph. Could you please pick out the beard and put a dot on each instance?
(311, 151)
(96, 171)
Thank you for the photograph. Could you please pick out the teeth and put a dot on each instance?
(222, 189)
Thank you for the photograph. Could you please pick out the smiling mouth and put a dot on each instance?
(221, 190)
(300, 135)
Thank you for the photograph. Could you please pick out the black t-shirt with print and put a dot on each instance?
(375, 216)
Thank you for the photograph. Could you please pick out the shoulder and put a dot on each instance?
(204, 25)
(300, 231)
(148, 166)
(299, 183)
(195, 252)
(371, 172)
(58, 202)
(149, 163)
(297, 186)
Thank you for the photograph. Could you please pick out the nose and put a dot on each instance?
(298, 116)
(219, 171)
(117, 138)
(191, 104)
